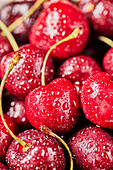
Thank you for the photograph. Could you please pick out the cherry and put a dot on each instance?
(97, 99)
(44, 152)
(108, 62)
(55, 23)
(12, 11)
(92, 148)
(12, 63)
(5, 137)
(5, 46)
(26, 75)
(78, 68)
(2, 166)
(15, 108)
(55, 105)
(99, 13)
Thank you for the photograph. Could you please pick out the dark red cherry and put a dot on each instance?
(99, 13)
(5, 46)
(55, 23)
(3, 167)
(78, 68)
(92, 149)
(26, 75)
(44, 152)
(5, 137)
(15, 108)
(55, 106)
(12, 11)
(108, 62)
(97, 99)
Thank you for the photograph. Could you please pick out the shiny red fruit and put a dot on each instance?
(97, 99)
(3, 167)
(15, 108)
(5, 46)
(92, 149)
(78, 68)
(14, 10)
(44, 152)
(99, 13)
(108, 62)
(55, 106)
(56, 22)
(5, 137)
(26, 75)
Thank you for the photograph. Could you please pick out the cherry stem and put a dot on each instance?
(106, 40)
(49, 132)
(12, 63)
(74, 34)
(9, 36)
(18, 21)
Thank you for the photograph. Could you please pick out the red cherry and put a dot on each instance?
(26, 75)
(3, 167)
(99, 13)
(15, 108)
(44, 152)
(55, 106)
(5, 46)
(97, 99)
(55, 23)
(92, 149)
(12, 11)
(5, 137)
(78, 68)
(108, 62)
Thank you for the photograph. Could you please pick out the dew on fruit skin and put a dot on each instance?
(52, 22)
(29, 156)
(98, 10)
(95, 88)
(63, 33)
(65, 106)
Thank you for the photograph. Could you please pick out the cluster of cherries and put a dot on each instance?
(57, 73)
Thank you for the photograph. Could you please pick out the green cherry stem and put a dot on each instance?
(49, 132)
(9, 36)
(74, 34)
(12, 63)
(18, 21)
(106, 40)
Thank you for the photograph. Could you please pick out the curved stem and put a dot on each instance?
(13, 62)
(9, 36)
(18, 21)
(47, 131)
(74, 34)
(106, 40)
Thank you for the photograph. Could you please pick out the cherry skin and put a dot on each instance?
(78, 68)
(5, 137)
(2, 166)
(15, 108)
(55, 23)
(26, 75)
(55, 106)
(44, 152)
(108, 62)
(5, 46)
(92, 148)
(97, 99)
(12, 11)
(99, 13)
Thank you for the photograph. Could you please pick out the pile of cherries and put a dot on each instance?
(73, 101)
